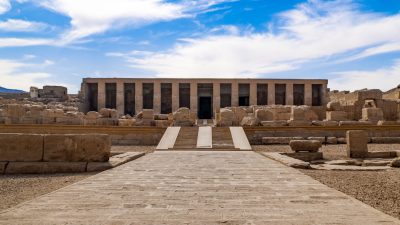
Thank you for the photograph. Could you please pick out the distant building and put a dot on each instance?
(202, 96)
(49, 93)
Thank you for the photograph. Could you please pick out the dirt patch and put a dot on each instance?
(379, 189)
(15, 189)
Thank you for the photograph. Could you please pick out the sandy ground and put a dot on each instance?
(15, 189)
(379, 189)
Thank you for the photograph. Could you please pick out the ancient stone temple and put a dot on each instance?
(203, 97)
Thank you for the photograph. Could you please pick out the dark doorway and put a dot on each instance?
(92, 96)
(205, 108)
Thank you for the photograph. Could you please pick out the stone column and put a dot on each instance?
(308, 94)
(157, 97)
(289, 94)
(235, 93)
(101, 94)
(120, 98)
(193, 97)
(216, 97)
(138, 97)
(325, 99)
(271, 93)
(253, 93)
(175, 96)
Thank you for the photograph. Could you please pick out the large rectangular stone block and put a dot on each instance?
(357, 141)
(45, 167)
(21, 147)
(336, 115)
(77, 147)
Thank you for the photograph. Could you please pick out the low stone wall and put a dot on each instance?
(50, 153)
(146, 136)
(256, 134)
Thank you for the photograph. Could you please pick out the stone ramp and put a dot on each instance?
(239, 138)
(168, 139)
(204, 137)
(193, 187)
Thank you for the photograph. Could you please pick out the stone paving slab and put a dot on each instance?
(197, 188)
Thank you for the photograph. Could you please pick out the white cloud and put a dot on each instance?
(97, 16)
(315, 30)
(21, 25)
(5, 5)
(15, 74)
(385, 79)
(22, 42)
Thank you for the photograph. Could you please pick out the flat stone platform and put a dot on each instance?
(197, 188)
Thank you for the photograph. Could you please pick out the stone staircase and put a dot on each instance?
(204, 138)
(187, 138)
(222, 138)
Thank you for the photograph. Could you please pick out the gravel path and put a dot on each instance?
(15, 189)
(379, 189)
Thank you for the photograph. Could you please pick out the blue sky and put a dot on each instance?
(355, 44)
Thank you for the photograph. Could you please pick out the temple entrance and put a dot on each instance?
(205, 108)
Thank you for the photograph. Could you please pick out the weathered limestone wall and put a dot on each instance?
(119, 135)
(51, 153)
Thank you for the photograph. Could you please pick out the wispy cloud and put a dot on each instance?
(385, 79)
(91, 17)
(5, 5)
(22, 25)
(315, 30)
(22, 42)
(15, 74)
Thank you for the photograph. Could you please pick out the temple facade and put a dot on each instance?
(202, 96)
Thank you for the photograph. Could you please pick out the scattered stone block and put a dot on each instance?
(377, 162)
(161, 116)
(305, 145)
(148, 114)
(182, 117)
(275, 123)
(279, 140)
(225, 117)
(21, 147)
(336, 115)
(388, 123)
(299, 123)
(333, 106)
(264, 115)
(372, 114)
(45, 167)
(382, 154)
(306, 156)
(355, 123)
(357, 141)
(324, 140)
(250, 121)
(395, 162)
(325, 123)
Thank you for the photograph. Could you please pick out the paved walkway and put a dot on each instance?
(197, 188)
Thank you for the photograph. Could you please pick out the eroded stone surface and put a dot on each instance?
(197, 188)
